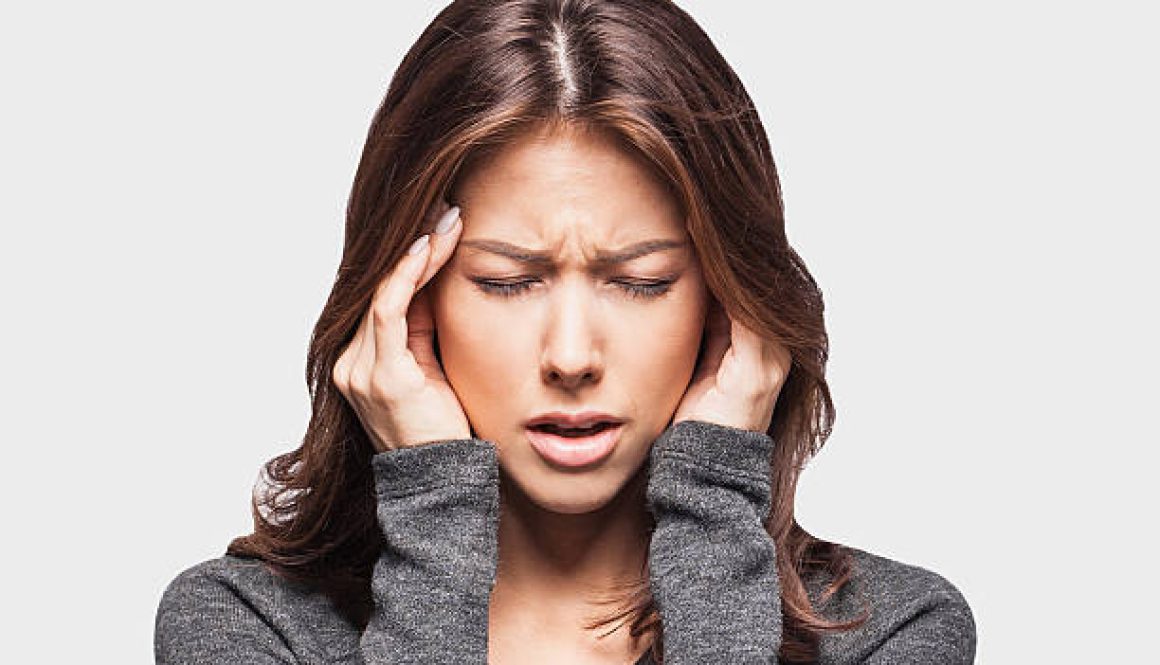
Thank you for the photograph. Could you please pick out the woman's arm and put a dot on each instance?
(712, 565)
(438, 508)
(713, 571)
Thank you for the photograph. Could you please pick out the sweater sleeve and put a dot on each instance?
(438, 509)
(712, 565)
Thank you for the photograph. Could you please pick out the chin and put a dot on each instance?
(559, 507)
(563, 493)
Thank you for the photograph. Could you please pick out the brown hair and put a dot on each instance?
(483, 72)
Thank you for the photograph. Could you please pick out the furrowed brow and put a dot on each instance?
(543, 259)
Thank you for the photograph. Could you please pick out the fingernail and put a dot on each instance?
(419, 245)
(447, 221)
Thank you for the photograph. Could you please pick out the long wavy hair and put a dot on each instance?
(482, 73)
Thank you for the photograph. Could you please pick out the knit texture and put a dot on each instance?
(712, 567)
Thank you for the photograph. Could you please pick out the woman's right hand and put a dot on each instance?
(389, 373)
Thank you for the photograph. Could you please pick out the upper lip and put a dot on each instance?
(573, 420)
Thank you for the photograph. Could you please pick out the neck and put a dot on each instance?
(550, 558)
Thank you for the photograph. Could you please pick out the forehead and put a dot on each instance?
(553, 183)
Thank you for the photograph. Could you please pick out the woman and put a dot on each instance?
(564, 385)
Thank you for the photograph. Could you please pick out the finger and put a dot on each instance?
(447, 229)
(368, 351)
(781, 359)
(765, 356)
(388, 331)
(421, 335)
(340, 373)
(364, 356)
(747, 345)
(347, 358)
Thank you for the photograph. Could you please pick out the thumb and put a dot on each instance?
(421, 334)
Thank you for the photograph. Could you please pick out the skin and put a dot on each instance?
(570, 341)
(575, 338)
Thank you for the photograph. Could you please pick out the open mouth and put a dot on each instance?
(575, 446)
(573, 432)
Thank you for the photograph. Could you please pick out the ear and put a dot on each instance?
(701, 350)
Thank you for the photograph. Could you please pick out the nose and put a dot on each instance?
(571, 356)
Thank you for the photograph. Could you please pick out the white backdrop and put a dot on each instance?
(972, 184)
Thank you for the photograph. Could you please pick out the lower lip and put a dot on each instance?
(575, 451)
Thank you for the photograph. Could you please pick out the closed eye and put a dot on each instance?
(634, 289)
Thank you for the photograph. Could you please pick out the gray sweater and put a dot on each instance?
(712, 573)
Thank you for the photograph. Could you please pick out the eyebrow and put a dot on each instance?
(543, 259)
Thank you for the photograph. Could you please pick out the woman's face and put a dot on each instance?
(568, 333)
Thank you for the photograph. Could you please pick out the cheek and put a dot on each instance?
(665, 346)
(479, 351)
(662, 349)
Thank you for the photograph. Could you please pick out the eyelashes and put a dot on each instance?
(645, 289)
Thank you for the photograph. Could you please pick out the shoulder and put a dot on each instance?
(215, 577)
(890, 581)
(223, 587)
(231, 607)
(913, 614)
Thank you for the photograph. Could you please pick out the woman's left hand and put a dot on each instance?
(739, 377)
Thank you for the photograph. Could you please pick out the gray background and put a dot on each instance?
(973, 185)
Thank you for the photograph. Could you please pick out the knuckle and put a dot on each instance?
(773, 379)
(756, 388)
(379, 390)
(357, 383)
(381, 313)
(341, 370)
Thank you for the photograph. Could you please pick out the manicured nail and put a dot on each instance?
(419, 245)
(447, 222)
